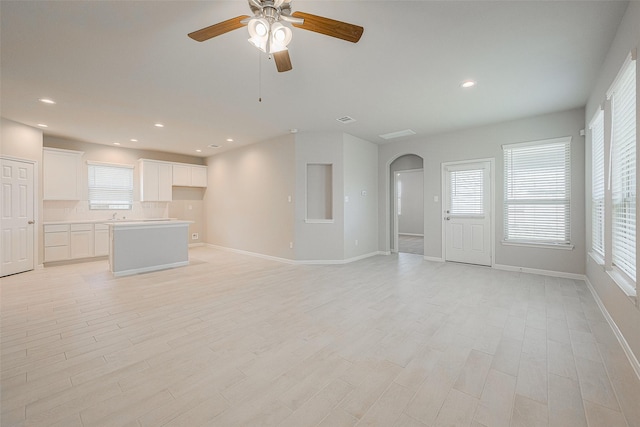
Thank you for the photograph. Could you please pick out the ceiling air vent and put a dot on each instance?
(214, 146)
(397, 134)
(346, 120)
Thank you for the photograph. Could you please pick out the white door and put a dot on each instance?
(17, 229)
(467, 214)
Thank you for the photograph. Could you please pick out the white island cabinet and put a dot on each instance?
(143, 246)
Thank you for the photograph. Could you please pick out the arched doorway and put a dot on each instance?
(406, 204)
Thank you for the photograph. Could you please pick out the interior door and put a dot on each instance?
(467, 215)
(17, 229)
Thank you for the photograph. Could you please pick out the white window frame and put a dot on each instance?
(624, 279)
(598, 198)
(537, 241)
(127, 192)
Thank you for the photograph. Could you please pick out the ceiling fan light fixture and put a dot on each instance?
(280, 37)
(258, 32)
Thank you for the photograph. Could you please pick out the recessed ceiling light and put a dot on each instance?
(159, 125)
(294, 130)
(198, 151)
(42, 125)
(47, 101)
(116, 143)
(133, 140)
(467, 84)
(229, 139)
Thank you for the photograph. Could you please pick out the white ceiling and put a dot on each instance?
(115, 68)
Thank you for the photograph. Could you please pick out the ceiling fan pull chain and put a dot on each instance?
(259, 77)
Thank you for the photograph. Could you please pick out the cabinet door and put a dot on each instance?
(198, 176)
(62, 174)
(81, 244)
(165, 182)
(101, 241)
(182, 175)
(149, 181)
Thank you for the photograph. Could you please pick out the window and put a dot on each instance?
(597, 183)
(110, 186)
(537, 192)
(623, 169)
(466, 192)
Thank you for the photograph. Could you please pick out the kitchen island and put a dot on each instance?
(143, 246)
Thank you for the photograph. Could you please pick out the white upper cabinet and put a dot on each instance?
(62, 170)
(185, 175)
(156, 179)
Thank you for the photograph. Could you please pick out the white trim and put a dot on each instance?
(631, 56)
(623, 281)
(195, 245)
(297, 262)
(563, 247)
(552, 273)
(633, 360)
(63, 150)
(411, 234)
(149, 269)
(319, 221)
(433, 258)
(254, 254)
(561, 140)
(115, 165)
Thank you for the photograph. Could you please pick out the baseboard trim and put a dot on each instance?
(150, 269)
(195, 245)
(433, 258)
(337, 261)
(541, 272)
(633, 360)
(411, 234)
(254, 254)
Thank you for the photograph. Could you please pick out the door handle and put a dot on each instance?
(31, 222)
(447, 218)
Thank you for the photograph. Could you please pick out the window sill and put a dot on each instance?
(623, 281)
(318, 221)
(539, 245)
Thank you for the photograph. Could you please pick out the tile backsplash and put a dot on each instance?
(54, 210)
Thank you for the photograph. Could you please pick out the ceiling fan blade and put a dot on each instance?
(218, 29)
(329, 27)
(283, 61)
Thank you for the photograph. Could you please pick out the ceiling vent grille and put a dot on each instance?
(346, 120)
(397, 134)
(214, 146)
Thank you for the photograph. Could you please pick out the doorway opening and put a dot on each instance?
(407, 205)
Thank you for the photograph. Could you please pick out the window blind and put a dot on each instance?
(110, 186)
(623, 170)
(466, 189)
(597, 183)
(537, 192)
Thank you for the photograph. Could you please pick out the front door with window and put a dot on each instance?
(467, 212)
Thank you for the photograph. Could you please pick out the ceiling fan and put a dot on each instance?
(268, 33)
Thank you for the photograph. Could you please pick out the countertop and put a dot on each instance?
(107, 221)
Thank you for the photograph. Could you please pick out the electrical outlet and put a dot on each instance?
(356, 242)
(194, 236)
(290, 245)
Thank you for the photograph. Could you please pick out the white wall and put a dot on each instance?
(24, 142)
(246, 202)
(486, 142)
(411, 220)
(361, 211)
(319, 241)
(623, 310)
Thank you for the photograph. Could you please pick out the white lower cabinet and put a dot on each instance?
(81, 241)
(101, 240)
(56, 242)
(75, 241)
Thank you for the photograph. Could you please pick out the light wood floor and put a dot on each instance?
(411, 244)
(232, 340)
